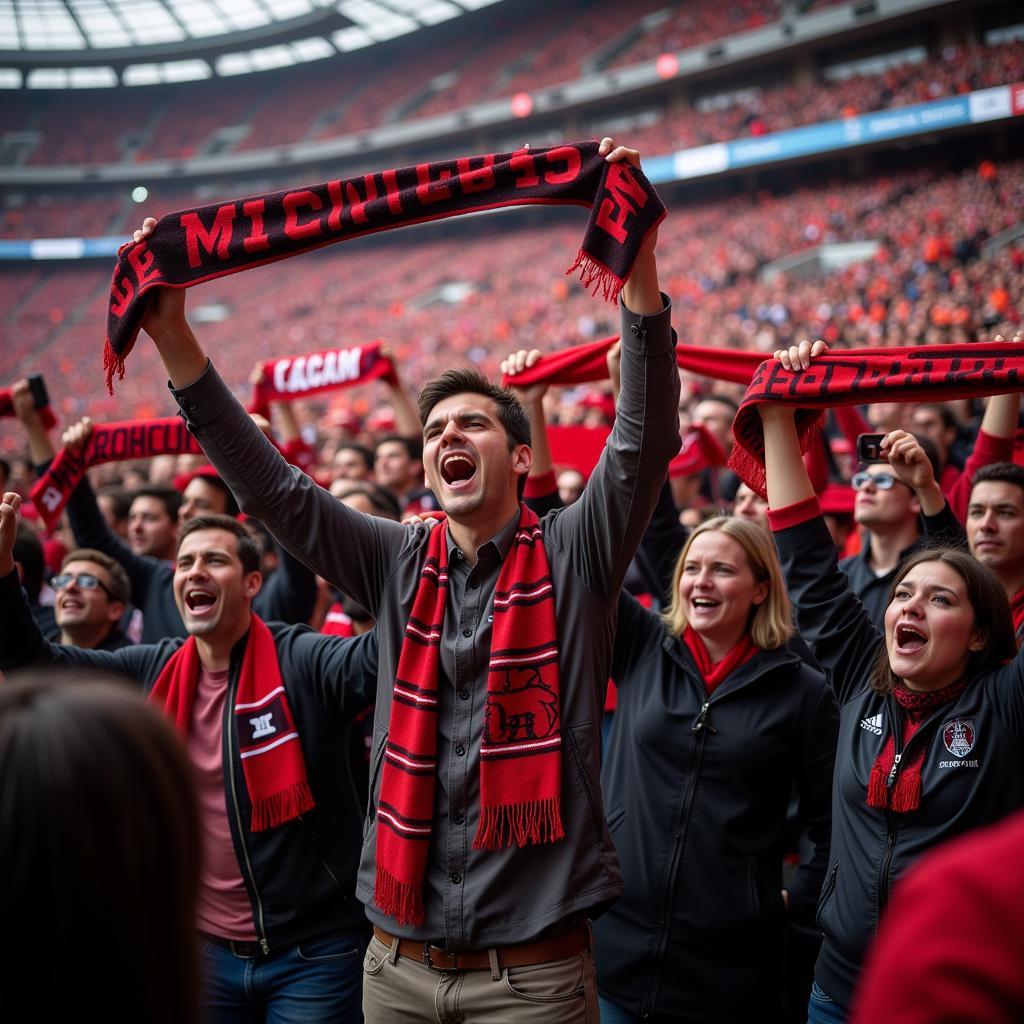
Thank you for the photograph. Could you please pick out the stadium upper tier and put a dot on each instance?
(493, 59)
(743, 113)
(476, 291)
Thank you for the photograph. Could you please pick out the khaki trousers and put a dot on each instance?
(397, 990)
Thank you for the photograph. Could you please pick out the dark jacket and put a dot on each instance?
(288, 594)
(973, 771)
(301, 875)
(696, 790)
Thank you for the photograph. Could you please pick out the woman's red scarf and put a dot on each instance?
(715, 673)
(268, 742)
(192, 246)
(520, 768)
(898, 787)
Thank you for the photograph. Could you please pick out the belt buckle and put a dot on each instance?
(429, 952)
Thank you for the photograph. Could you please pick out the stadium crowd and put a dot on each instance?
(167, 569)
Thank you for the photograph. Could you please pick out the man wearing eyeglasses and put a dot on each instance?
(890, 512)
(92, 592)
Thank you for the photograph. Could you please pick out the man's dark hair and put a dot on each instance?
(120, 585)
(249, 553)
(723, 399)
(28, 553)
(469, 381)
(230, 502)
(120, 499)
(931, 451)
(167, 496)
(412, 445)
(1001, 472)
(383, 500)
(946, 414)
(360, 449)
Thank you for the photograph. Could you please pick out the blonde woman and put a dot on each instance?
(717, 721)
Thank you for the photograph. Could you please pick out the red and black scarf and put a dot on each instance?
(714, 673)
(520, 768)
(583, 364)
(192, 246)
(861, 376)
(289, 377)
(268, 742)
(1017, 612)
(109, 442)
(904, 792)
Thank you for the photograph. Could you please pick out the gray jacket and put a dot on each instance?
(473, 898)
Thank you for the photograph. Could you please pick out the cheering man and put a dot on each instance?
(487, 849)
(262, 711)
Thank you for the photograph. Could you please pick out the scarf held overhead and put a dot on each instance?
(40, 399)
(289, 377)
(584, 364)
(273, 764)
(111, 442)
(192, 246)
(861, 376)
(520, 751)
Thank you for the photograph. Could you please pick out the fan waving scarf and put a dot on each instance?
(192, 246)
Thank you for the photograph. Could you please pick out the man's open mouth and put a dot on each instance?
(198, 601)
(457, 468)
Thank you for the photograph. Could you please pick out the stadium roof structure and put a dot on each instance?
(65, 43)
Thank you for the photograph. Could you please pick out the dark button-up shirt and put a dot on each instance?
(479, 898)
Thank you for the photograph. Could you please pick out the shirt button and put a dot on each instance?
(463, 694)
(460, 750)
(467, 632)
(458, 819)
(456, 878)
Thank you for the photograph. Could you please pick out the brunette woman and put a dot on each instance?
(716, 722)
(931, 740)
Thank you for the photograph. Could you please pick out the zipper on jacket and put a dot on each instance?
(890, 781)
(701, 721)
(230, 735)
(699, 730)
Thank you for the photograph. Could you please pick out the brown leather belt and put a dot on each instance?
(478, 960)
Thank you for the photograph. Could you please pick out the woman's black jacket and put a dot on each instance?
(696, 790)
(973, 770)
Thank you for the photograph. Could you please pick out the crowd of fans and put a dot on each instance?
(928, 282)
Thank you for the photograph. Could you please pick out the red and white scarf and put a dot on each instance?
(520, 755)
(268, 742)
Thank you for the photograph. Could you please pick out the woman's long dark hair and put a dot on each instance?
(991, 614)
(99, 855)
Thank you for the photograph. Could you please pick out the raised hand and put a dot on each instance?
(798, 357)
(516, 363)
(78, 434)
(9, 515)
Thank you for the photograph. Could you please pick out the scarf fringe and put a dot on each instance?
(906, 794)
(533, 822)
(400, 900)
(596, 278)
(112, 363)
(878, 795)
(276, 809)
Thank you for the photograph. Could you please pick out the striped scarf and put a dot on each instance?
(520, 754)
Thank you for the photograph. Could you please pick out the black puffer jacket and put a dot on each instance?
(973, 770)
(696, 790)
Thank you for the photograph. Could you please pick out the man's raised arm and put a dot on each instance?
(600, 533)
(347, 548)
